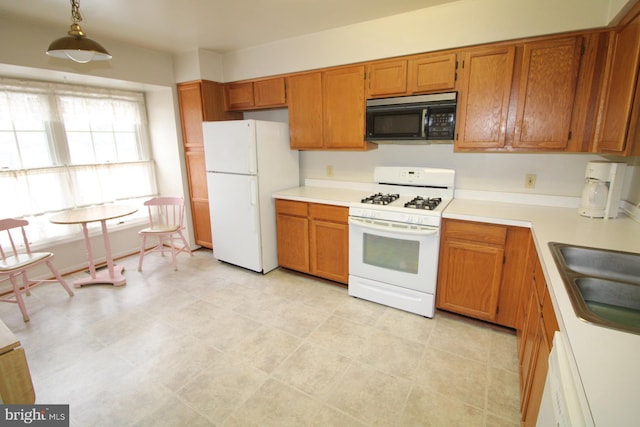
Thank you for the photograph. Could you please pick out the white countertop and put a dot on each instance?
(608, 360)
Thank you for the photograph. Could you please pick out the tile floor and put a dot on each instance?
(213, 344)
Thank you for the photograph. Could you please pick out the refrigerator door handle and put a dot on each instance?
(254, 201)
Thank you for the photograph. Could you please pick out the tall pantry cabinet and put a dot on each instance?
(200, 101)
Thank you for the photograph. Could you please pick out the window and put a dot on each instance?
(64, 146)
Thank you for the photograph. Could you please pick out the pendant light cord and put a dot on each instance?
(75, 11)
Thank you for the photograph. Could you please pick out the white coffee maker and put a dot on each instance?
(602, 189)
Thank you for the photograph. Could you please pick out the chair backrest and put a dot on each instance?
(13, 230)
(166, 210)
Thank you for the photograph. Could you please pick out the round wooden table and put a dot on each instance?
(113, 275)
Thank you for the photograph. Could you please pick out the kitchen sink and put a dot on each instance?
(603, 285)
(603, 263)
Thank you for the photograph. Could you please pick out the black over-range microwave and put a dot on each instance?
(412, 119)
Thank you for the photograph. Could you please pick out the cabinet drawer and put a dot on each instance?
(329, 212)
(291, 207)
(476, 232)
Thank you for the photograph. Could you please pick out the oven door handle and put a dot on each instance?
(422, 231)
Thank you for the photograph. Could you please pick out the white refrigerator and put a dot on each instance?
(247, 161)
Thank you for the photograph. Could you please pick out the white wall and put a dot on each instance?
(198, 64)
(462, 23)
(556, 174)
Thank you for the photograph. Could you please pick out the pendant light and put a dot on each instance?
(76, 46)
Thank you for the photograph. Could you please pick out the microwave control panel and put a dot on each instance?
(441, 123)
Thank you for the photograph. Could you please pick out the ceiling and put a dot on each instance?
(218, 25)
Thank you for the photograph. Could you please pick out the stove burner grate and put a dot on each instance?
(380, 199)
(423, 203)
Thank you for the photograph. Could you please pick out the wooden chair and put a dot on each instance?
(166, 221)
(14, 264)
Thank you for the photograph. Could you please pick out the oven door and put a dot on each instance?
(404, 255)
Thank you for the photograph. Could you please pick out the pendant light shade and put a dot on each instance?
(76, 45)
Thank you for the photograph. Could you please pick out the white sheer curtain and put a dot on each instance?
(65, 146)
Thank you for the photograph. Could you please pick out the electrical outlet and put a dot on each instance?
(530, 180)
(329, 170)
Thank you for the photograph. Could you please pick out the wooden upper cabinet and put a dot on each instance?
(484, 92)
(191, 113)
(617, 129)
(200, 101)
(422, 74)
(270, 93)
(238, 95)
(432, 73)
(257, 94)
(388, 78)
(343, 108)
(305, 111)
(327, 109)
(546, 93)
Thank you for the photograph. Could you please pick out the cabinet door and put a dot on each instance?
(546, 93)
(293, 242)
(238, 95)
(530, 341)
(305, 111)
(292, 227)
(483, 105)
(344, 108)
(269, 93)
(432, 73)
(470, 277)
(618, 91)
(537, 377)
(387, 78)
(197, 179)
(329, 242)
(191, 114)
(514, 276)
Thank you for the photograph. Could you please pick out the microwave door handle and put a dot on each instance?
(425, 111)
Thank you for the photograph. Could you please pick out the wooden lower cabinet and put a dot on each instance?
(492, 272)
(535, 343)
(480, 270)
(292, 225)
(313, 238)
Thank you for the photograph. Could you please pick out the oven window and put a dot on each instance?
(390, 253)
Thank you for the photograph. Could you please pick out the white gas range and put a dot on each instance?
(394, 238)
